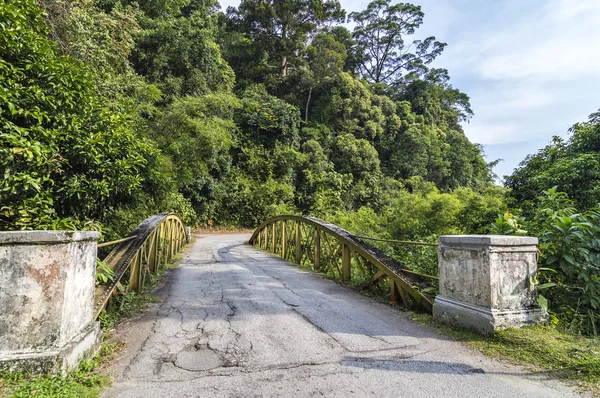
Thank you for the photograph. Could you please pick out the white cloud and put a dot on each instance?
(558, 41)
(531, 68)
(494, 133)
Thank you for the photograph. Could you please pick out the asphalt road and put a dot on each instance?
(238, 322)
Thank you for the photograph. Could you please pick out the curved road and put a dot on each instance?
(238, 322)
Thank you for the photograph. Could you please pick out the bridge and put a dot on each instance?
(269, 314)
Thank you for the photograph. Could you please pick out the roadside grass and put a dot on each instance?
(542, 349)
(84, 382)
(88, 380)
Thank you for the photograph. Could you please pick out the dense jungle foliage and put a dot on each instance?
(112, 110)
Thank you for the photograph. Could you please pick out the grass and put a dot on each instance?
(84, 382)
(544, 349)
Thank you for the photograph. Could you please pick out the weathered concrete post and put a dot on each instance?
(47, 281)
(485, 282)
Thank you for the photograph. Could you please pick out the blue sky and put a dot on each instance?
(531, 67)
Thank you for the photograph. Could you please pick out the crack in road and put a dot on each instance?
(249, 324)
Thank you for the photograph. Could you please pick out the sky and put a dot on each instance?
(530, 67)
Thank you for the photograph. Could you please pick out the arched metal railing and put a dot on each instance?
(330, 249)
(152, 243)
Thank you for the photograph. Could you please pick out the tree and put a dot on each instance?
(326, 58)
(62, 153)
(382, 53)
(281, 27)
(179, 53)
(573, 166)
(434, 97)
(355, 156)
(266, 120)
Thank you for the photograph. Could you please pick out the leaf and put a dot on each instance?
(543, 303)
(547, 285)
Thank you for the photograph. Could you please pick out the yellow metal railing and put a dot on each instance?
(329, 249)
(152, 243)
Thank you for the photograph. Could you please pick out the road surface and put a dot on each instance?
(237, 322)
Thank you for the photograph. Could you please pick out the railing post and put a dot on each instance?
(283, 239)
(317, 254)
(167, 241)
(298, 245)
(134, 276)
(274, 238)
(345, 262)
(397, 291)
(175, 235)
(163, 247)
(171, 239)
(153, 251)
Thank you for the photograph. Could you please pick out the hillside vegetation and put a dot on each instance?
(112, 110)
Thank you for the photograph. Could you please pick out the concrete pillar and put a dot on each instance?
(485, 282)
(47, 281)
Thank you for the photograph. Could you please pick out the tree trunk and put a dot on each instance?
(283, 66)
(307, 104)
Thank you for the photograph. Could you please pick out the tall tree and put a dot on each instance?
(283, 26)
(326, 58)
(382, 52)
(434, 97)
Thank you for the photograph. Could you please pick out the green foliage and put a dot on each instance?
(75, 385)
(422, 216)
(508, 224)
(354, 156)
(247, 202)
(85, 381)
(104, 273)
(382, 48)
(265, 119)
(280, 28)
(566, 219)
(63, 155)
(569, 255)
(570, 245)
(196, 140)
(573, 166)
(179, 53)
(114, 109)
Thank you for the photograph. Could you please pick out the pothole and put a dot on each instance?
(197, 358)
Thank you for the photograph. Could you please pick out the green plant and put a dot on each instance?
(569, 257)
(508, 224)
(570, 245)
(85, 381)
(104, 273)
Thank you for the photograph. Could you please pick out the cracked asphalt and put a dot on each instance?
(237, 322)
